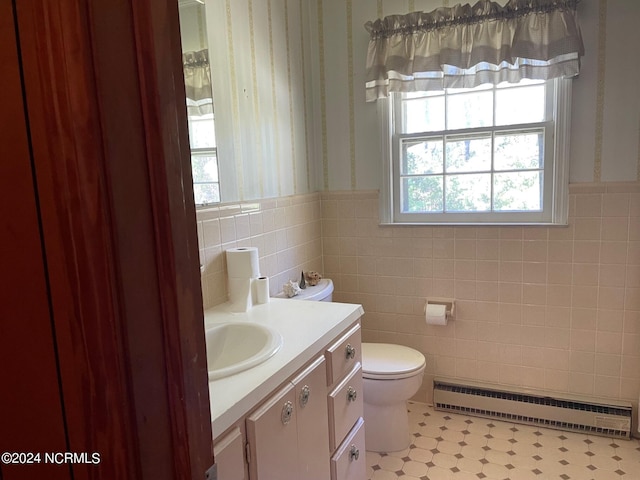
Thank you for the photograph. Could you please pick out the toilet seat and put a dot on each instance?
(383, 361)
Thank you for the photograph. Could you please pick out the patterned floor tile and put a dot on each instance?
(448, 446)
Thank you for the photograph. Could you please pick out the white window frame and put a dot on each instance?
(556, 176)
(206, 152)
(203, 152)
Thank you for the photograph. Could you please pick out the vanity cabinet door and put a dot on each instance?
(229, 455)
(312, 425)
(273, 438)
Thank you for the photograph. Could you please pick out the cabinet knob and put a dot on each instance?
(352, 394)
(304, 395)
(354, 453)
(287, 412)
(350, 351)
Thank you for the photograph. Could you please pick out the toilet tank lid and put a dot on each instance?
(323, 289)
(382, 359)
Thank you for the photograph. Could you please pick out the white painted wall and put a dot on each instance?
(288, 80)
(607, 89)
(193, 27)
(261, 78)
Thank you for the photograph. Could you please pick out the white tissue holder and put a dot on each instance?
(449, 304)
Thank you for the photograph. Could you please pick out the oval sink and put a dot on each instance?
(234, 347)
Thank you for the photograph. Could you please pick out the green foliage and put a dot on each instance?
(426, 188)
(490, 166)
(423, 194)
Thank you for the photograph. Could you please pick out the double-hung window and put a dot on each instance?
(204, 159)
(494, 154)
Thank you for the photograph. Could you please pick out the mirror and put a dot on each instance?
(200, 107)
(263, 58)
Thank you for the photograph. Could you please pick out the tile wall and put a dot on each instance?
(286, 231)
(550, 308)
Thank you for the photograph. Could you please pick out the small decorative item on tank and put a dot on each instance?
(312, 278)
(291, 289)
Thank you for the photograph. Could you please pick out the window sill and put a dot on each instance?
(469, 224)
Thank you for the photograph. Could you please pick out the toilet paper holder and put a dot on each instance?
(449, 304)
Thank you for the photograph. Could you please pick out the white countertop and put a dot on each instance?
(306, 328)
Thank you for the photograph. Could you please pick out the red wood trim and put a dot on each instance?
(164, 105)
(31, 418)
(104, 87)
(69, 163)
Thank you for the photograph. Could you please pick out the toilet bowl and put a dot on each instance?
(391, 374)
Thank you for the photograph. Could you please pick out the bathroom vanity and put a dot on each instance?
(297, 415)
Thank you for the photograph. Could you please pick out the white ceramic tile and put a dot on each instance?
(523, 452)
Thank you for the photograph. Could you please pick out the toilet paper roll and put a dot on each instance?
(240, 294)
(243, 262)
(261, 285)
(436, 314)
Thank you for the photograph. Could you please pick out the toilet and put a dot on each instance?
(391, 374)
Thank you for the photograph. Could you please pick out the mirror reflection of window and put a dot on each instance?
(200, 111)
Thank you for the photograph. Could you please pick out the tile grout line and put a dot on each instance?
(492, 446)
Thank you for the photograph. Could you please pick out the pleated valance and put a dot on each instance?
(197, 82)
(465, 46)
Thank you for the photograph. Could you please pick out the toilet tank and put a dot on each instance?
(322, 292)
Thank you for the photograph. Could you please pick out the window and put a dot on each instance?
(204, 159)
(486, 155)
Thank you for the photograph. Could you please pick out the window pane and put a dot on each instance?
(424, 114)
(518, 151)
(421, 194)
(468, 154)
(206, 193)
(421, 156)
(520, 105)
(205, 168)
(468, 193)
(517, 191)
(470, 110)
(202, 133)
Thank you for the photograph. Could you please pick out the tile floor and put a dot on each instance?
(447, 446)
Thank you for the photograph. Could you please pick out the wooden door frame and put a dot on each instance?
(26, 345)
(106, 112)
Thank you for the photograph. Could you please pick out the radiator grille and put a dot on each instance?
(542, 410)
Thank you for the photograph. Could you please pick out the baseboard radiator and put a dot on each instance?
(541, 409)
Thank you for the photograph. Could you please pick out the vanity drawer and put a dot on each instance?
(345, 406)
(349, 462)
(343, 355)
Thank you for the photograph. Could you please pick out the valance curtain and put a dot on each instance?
(465, 46)
(197, 81)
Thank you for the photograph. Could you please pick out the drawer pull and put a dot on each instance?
(352, 394)
(350, 351)
(354, 453)
(304, 395)
(287, 412)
